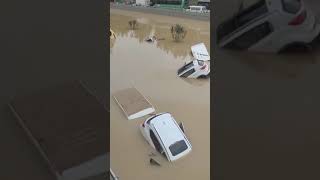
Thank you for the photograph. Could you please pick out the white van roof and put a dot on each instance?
(199, 51)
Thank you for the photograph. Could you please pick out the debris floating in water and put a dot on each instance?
(154, 162)
(152, 154)
(153, 39)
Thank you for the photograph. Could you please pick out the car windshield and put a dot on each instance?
(178, 147)
(291, 6)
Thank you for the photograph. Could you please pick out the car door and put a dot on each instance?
(155, 141)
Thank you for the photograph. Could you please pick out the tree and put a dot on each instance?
(133, 24)
(178, 32)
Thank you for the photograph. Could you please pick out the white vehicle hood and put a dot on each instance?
(199, 51)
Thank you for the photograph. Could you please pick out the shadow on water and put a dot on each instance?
(196, 82)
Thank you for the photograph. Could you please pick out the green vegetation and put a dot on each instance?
(178, 32)
(133, 24)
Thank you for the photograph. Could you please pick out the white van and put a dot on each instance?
(164, 134)
(194, 69)
(270, 26)
(199, 9)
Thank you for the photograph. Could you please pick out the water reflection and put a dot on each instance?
(196, 82)
(146, 28)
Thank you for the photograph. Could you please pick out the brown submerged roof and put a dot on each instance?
(131, 101)
(69, 123)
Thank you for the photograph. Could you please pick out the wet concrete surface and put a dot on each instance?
(266, 113)
(152, 69)
(44, 43)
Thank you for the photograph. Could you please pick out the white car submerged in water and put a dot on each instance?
(194, 69)
(270, 26)
(164, 134)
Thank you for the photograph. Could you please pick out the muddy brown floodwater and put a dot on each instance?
(267, 113)
(152, 69)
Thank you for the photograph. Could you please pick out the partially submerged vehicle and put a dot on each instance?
(270, 26)
(200, 52)
(151, 39)
(164, 134)
(154, 39)
(194, 69)
(197, 9)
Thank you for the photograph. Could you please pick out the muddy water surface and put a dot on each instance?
(152, 69)
(267, 111)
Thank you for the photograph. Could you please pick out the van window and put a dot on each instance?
(188, 73)
(178, 147)
(291, 6)
(251, 37)
(244, 17)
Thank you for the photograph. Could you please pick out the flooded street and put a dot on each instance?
(267, 113)
(152, 69)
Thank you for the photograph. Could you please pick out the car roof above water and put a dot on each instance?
(167, 129)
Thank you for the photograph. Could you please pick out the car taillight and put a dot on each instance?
(203, 67)
(298, 19)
